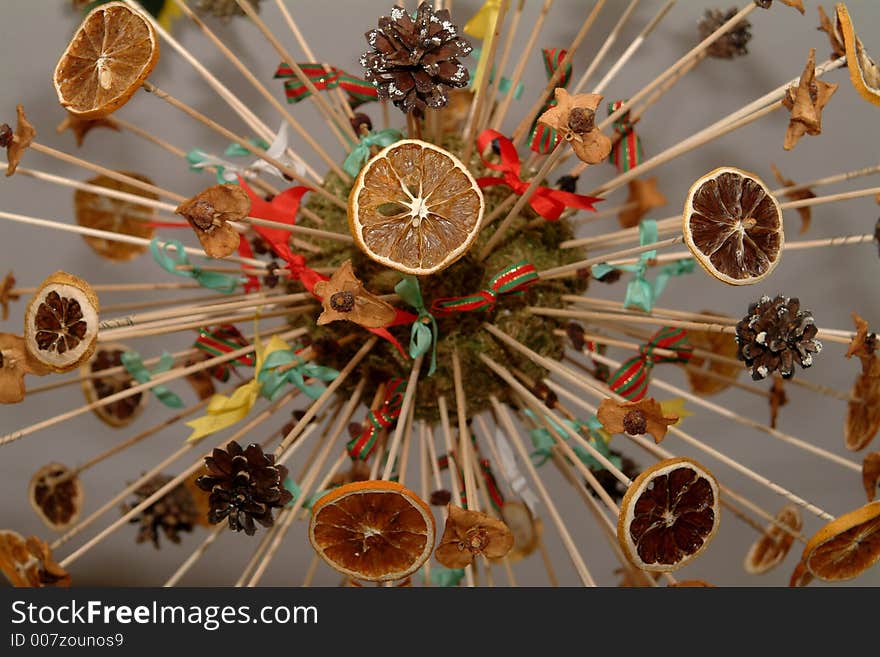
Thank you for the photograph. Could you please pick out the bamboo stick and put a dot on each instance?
(408, 398)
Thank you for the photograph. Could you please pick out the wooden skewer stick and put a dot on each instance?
(572, 268)
(504, 105)
(464, 436)
(610, 40)
(523, 128)
(424, 481)
(177, 302)
(513, 435)
(122, 287)
(502, 65)
(404, 447)
(408, 399)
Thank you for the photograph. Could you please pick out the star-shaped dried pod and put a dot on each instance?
(871, 474)
(344, 297)
(806, 102)
(80, 127)
(469, 533)
(797, 4)
(15, 362)
(16, 143)
(863, 344)
(574, 118)
(209, 213)
(805, 213)
(643, 197)
(635, 418)
(6, 294)
(835, 38)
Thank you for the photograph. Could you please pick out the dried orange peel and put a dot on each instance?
(863, 71)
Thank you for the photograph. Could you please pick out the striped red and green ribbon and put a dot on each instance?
(542, 138)
(515, 278)
(626, 152)
(495, 496)
(325, 77)
(361, 447)
(631, 379)
(220, 341)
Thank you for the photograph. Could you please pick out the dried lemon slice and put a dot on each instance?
(372, 530)
(415, 207)
(863, 71)
(773, 545)
(669, 515)
(109, 57)
(733, 226)
(845, 547)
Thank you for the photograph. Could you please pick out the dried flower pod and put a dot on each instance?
(209, 212)
(806, 102)
(645, 195)
(871, 474)
(413, 61)
(344, 297)
(735, 40)
(441, 497)
(469, 533)
(805, 212)
(573, 117)
(56, 494)
(863, 344)
(15, 362)
(122, 412)
(21, 139)
(173, 513)
(61, 322)
(29, 563)
(80, 127)
(6, 295)
(635, 418)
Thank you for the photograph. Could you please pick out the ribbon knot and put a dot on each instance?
(547, 202)
(626, 152)
(364, 444)
(361, 153)
(324, 77)
(631, 379)
(134, 365)
(424, 332)
(170, 255)
(287, 366)
(511, 280)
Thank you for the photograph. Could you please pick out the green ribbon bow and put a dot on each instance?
(272, 381)
(162, 254)
(543, 441)
(641, 293)
(361, 153)
(134, 365)
(441, 576)
(237, 150)
(295, 490)
(424, 333)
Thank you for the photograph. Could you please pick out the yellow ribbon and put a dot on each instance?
(482, 26)
(225, 411)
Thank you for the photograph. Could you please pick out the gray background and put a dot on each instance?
(831, 282)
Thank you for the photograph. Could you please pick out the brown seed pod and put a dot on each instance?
(469, 533)
(20, 140)
(61, 322)
(120, 413)
(56, 494)
(209, 212)
(344, 297)
(15, 362)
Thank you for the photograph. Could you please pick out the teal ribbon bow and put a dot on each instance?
(170, 254)
(423, 335)
(272, 381)
(237, 150)
(641, 293)
(543, 441)
(295, 490)
(447, 577)
(134, 365)
(361, 152)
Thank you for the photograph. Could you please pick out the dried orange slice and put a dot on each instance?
(124, 411)
(770, 549)
(733, 226)
(845, 547)
(669, 515)
(863, 71)
(116, 216)
(863, 415)
(722, 344)
(109, 57)
(415, 207)
(56, 494)
(372, 530)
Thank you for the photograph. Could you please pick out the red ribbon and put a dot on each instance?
(245, 251)
(549, 203)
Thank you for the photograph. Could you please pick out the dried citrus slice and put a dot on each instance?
(524, 526)
(372, 530)
(116, 216)
(863, 413)
(863, 71)
(122, 412)
(845, 547)
(415, 207)
(770, 549)
(111, 54)
(669, 515)
(733, 226)
(56, 494)
(722, 344)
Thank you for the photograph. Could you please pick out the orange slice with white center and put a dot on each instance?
(415, 207)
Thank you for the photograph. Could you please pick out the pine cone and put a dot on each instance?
(732, 44)
(224, 9)
(412, 62)
(245, 486)
(172, 513)
(775, 335)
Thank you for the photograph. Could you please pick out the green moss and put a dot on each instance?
(463, 331)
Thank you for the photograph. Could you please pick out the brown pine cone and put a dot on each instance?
(173, 513)
(733, 44)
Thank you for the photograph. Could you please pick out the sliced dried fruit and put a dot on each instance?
(772, 547)
(29, 563)
(863, 411)
(15, 362)
(372, 530)
(122, 412)
(209, 212)
(469, 533)
(112, 53)
(871, 474)
(801, 576)
(61, 322)
(669, 515)
(863, 71)
(345, 298)
(845, 547)
(415, 207)
(19, 141)
(733, 226)
(525, 527)
(722, 344)
(116, 216)
(56, 494)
